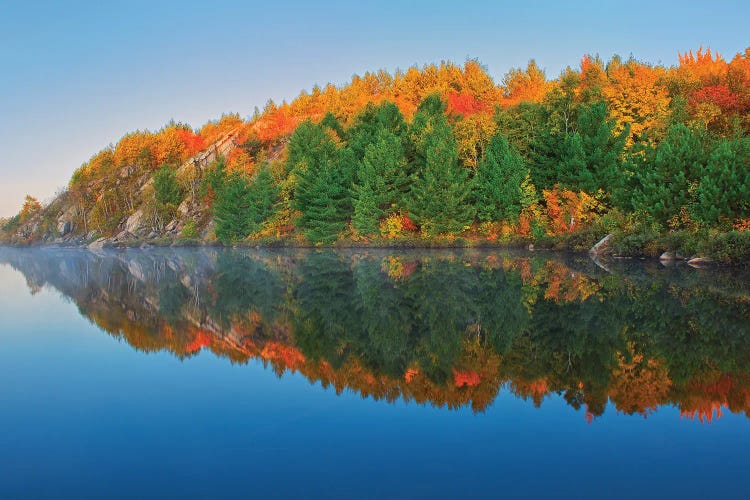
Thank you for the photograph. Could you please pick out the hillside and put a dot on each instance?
(439, 155)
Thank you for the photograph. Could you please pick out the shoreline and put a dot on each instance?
(398, 245)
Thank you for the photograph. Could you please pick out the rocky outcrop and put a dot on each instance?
(135, 222)
(603, 247)
(98, 244)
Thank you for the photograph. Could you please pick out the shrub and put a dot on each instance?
(583, 239)
(189, 230)
(641, 240)
(686, 243)
(732, 247)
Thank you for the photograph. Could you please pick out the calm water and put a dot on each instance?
(203, 373)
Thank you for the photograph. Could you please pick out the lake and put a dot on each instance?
(369, 373)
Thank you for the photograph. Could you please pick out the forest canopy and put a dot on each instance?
(437, 153)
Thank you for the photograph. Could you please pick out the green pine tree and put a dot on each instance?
(322, 181)
(591, 157)
(263, 195)
(166, 188)
(367, 211)
(232, 209)
(440, 192)
(497, 185)
(724, 190)
(667, 177)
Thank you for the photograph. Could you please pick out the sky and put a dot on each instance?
(75, 76)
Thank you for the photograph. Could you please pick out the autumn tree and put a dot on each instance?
(637, 98)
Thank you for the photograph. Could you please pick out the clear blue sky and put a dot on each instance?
(75, 76)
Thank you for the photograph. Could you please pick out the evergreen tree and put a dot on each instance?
(166, 188)
(309, 145)
(374, 118)
(367, 211)
(724, 190)
(232, 209)
(440, 193)
(591, 156)
(667, 177)
(323, 181)
(263, 195)
(549, 124)
(431, 108)
(497, 186)
(580, 154)
(382, 183)
(330, 121)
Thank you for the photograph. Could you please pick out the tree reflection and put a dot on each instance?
(436, 327)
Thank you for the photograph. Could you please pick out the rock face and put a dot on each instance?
(64, 227)
(604, 247)
(134, 222)
(98, 244)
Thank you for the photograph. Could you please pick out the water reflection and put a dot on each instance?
(441, 328)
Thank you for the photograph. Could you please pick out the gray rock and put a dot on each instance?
(667, 257)
(603, 247)
(700, 262)
(184, 207)
(98, 244)
(134, 222)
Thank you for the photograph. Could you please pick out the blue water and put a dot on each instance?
(83, 414)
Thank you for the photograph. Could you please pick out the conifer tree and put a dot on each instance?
(591, 156)
(263, 196)
(724, 190)
(166, 188)
(497, 185)
(367, 211)
(323, 176)
(440, 193)
(666, 179)
(232, 209)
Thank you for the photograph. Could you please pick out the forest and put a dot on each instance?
(440, 155)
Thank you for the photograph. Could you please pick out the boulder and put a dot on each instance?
(667, 257)
(700, 262)
(135, 222)
(98, 244)
(604, 247)
(184, 207)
